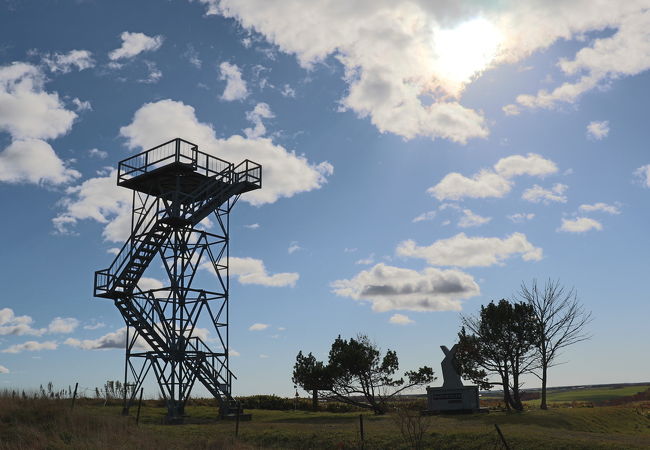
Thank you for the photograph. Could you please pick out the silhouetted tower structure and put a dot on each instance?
(175, 187)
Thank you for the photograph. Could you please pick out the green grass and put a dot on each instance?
(595, 395)
(43, 423)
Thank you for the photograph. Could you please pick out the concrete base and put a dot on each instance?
(459, 400)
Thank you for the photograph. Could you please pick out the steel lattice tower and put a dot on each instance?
(175, 187)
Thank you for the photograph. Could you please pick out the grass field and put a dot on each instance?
(44, 423)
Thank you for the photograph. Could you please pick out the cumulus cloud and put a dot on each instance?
(400, 319)
(463, 251)
(521, 217)
(470, 219)
(33, 161)
(285, 172)
(253, 271)
(65, 62)
(624, 53)
(580, 225)
(10, 324)
(429, 215)
(63, 325)
(258, 327)
(538, 194)
(99, 199)
(598, 130)
(235, 85)
(407, 63)
(495, 182)
(135, 43)
(261, 111)
(31, 115)
(394, 288)
(31, 346)
(114, 339)
(600, 207)
(643, 174)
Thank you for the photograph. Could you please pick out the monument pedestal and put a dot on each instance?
(457, 400)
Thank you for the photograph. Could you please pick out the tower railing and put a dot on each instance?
(175, 151)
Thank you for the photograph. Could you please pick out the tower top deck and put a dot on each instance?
(178, 166)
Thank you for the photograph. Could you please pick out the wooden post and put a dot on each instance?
(503, 439)
(74, 396)
(237, 422)
(137, 417)
(361, 426)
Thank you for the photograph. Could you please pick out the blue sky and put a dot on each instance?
(419, 161)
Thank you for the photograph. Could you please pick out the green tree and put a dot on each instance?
(311, 375)
(500, 341)
(359, 375)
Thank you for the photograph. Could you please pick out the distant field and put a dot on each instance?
(44, 423)
(583, 394)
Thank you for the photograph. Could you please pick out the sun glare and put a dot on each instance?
(466, 50)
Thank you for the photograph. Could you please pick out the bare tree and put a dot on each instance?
(561, 320)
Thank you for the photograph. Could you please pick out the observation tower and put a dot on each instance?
(175, 186)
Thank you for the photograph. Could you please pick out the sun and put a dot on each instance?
(465, 51)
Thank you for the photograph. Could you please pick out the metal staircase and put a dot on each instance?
(176, 187)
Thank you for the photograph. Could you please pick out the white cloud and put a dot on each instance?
(263, 356)
(580, 225)
(400, 319)
(470, 219)
(394, 288)
(252, 226)
(10, 324)
(598, 130)
(192, 56)
(135, 43)
(147, 283)
(31, 346)
(26, 110)
(153, 75)
(97, 153)
(285, 173)
(114, 339)
(463, 251)
(63, 325)
(521, 217)
(258, 327)
(64, 62)
(455, 186)
(293, 247)
(643, 173)
(3, 369)
(532, 164)
(624, 53)
(495, 182)
(235, 85)
(600, 206)
(99, 199)
(33, 161)
(429, 215)
(288, 91)
(261, 111)
(366, 261)
(94, 326)
(253, 271)
(81, 105)
(233, 352)
(538, 194)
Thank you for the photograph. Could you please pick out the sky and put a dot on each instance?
(420, 159)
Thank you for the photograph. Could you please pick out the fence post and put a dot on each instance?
(237, 422)
(74, 396)
(361, 426)
(503, 439)
(137, 417)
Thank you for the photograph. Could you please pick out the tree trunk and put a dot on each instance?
(314, 399)
(506, 392)
(543, 404)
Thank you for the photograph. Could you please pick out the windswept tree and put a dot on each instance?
(500, 341)
(560, 321)
(358, 374)
(311, 375)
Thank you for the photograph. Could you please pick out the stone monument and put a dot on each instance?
(452, 397)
